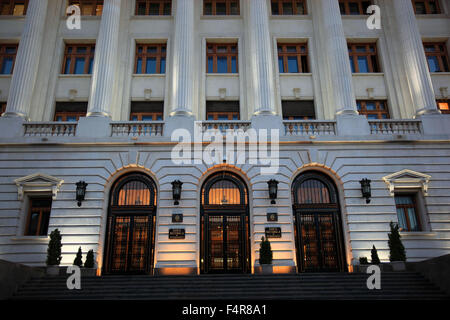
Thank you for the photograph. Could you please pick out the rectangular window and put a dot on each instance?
(289, 7)
(373, 109)
(150, 58)
(426, 7)
(147, 111)
(354, 7)
(437, 57)
(70, 111)
(222, 110)
(153, 7)
(298, 110)
(89, 7)
(363, 57)
(221, 7)
(444, 106)
(38, 216)
(13, 7)
(8, 54)
(78, 59)
(293, 58)
(408, 218)
(222, 58)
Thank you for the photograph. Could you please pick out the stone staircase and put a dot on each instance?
(313, 286)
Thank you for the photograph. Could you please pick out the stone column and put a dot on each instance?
(106, 48)
(338, 59)
(183, 60)
(261, 58)
(27, 61)
(416, 66)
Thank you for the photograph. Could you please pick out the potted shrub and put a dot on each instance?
(363, 264)
(89, 269)
(374, 256)
(79, 258)
(397, 254)
(265, 256)
(54, 253)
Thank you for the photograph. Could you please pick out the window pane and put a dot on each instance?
(363, 64)
(275, 10)
(433, 63)
(167, 9)
(147, 118)
(287, 8)
(208, 9)
(139, 66)
(370, 106)
(210, 65)
(300, 8)
(234, 9)
(222, 66)
(233, 65)
(86, 9)
(342, 8)
(91, 65)
(7, 66)
(352, 65)
(420, 7)
(163, 65)
(401, 219)
(221, 8)
(19, 10)
(403, 200)
(280, 64)
(33, 225)
(79, 66)
(11, 50)
(81, 50)
(141, 9)
(413, 220)
(154, 9)
(293, 64)
(151, 66)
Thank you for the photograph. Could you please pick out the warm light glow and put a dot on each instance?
(443, 106)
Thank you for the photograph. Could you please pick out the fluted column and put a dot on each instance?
(261, 58)
(27, 61)
(338, 59)
(416, 66)
(183, 59)
(105, 61)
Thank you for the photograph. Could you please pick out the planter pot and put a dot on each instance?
(267, 268)
(398, 265)
(52, 270)
(88, 272)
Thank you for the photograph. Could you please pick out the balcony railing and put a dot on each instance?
(223, 126)
(390, 127)
(137, 129)
(53, 129)
(310, 128)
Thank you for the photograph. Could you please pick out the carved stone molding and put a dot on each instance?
(407, 179)
(38, 182)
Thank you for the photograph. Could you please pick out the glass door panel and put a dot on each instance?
(139, 244)
(120, 244)
(233, 245)
(216, 243)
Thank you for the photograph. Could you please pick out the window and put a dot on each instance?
(150, 59)
(70, 111)
(220, 7)
(222, 58)
(78, 59)
(373, 109)
(89, 7)
(426, 7)
(222, 110)
(153, 7)
(293, 58)
(2, 108)
(354, 7)
(38, 216)
(13, 7)
(437, 57)
(298, 110)
(408, 218)
(363, 57)
(444, 106)
(7, 58)
(288, 7)
(147, 111)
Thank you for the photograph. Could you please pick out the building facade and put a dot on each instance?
(104, 101)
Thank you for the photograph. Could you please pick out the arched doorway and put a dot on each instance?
(225, 246)
(131, 223)
(318, 227)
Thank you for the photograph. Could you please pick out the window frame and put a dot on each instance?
(405, 208)
(90, 54)
(148, 4)
(154, 115)
(96, 4)
(294, 7)
(347, 7)
(427, 6)
(354, 54)
(378, 111)
(4, 55)
(12, 4)
(285, 55)
(440, 55)
(65, 114)
(42, 212)
(159, 55)
(227, 5)
(216, 114)
(229, 54)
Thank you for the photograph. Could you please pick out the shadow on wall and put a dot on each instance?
(13, 275)
(437, 270)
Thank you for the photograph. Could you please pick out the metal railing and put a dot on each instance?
(389, 127)
(53, 129)
(137, 129)
(309, 128)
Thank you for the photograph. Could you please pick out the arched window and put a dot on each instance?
(224, 189)
(134, 190)
(313, 189)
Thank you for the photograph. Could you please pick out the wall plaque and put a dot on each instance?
(177, 217)
(272, 216)
(273, 232)
(177, 234)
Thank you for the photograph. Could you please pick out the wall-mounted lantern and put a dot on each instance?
(176, 191)
(366, 189)
(273, 189)
(81, 191)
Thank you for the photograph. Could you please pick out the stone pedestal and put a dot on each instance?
(264, 121)
(352, 125)
(435, 124)
(179, 122)
(94, 127)
(11, 127)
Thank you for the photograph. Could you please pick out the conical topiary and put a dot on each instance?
(79, 258)
(374, 254)
(54, 249)
(265, 252)
(89, 259)
(396, 248)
